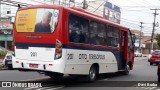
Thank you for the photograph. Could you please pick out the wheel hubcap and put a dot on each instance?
(92, 74)
(127, 68)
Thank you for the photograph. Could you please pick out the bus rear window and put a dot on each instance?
(37, 20)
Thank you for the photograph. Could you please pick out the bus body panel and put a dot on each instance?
(80, 61)
(51, 66)
(36, 54)
(41, 48)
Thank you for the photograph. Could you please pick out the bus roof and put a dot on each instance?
(76, 10)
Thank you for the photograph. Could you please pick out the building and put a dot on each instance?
(6, 31)
(147, 41)
(139, 46)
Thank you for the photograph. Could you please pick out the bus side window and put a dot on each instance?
(78, 29)
(130, 41)
(101, 34)
(123, 39)
(113, 36)
(97, 33)
(84, 33)
(93, 33)
(73, 28)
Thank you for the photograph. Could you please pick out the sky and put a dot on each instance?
(132, 12)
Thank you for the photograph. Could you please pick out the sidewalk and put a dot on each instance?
(2, 67)
(1, 62)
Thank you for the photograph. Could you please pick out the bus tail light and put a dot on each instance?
(58, 50)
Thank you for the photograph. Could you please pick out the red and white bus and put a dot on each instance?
(61, 40)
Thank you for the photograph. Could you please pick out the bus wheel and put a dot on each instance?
(92, 74)
(56, 76)
(127, 69)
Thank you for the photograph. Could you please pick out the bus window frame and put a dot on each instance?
(90, 19)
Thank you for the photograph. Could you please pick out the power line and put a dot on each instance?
(135, 2)
(145, 1)
(14, 2)
(100, 6)
(140, 7)
(37, 1)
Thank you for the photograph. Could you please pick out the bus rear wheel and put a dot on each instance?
(92, 74)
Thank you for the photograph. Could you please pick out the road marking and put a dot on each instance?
(44, 88)
(150, 88)
(30, 88)
(103, 79)
(35, 79)
(55, 88)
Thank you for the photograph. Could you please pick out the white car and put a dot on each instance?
(8, 60)
(137, 54)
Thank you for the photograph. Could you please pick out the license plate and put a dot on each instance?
(33, 65)
(9, 62)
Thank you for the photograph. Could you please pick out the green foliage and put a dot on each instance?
(158, 40)
(2, 53)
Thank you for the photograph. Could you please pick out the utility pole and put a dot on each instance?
(84, 4)
(140, 37)
(53, 1)
(0, 8)
(155, 14)
(59, 2)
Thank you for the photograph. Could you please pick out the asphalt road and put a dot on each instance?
(142, 71)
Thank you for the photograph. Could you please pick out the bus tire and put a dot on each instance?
(56, 76)
(127, 70)
(92, 74)
(151, 63)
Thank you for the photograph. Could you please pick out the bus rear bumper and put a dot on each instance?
(37, 66)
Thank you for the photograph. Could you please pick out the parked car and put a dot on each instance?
(154, 57)
(137, 54)
(158, 72)
(8, 60)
